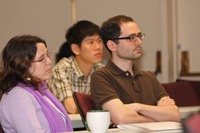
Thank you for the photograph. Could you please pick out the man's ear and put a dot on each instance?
(75, 49)
(111, 45)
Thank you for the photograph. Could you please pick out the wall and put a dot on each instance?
(188, 33)
(147, 17)
(50, 19)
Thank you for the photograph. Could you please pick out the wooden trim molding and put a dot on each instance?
(185, 65)
(158, 62)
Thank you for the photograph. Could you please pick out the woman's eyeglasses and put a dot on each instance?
(44, 58)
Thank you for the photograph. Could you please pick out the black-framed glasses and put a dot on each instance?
(133, 37)
(44, 58)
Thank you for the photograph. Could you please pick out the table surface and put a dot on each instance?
(187, 111)
(127, 131)
(184, 111)
(76, 120)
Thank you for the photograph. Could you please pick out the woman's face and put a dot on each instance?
(41, 65)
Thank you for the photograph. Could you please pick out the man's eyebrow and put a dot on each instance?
(93, 39)
(89, 39)
(135, 33)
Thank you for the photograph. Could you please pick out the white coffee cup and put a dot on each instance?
(98, 121)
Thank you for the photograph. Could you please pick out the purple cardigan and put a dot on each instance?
(55, 120)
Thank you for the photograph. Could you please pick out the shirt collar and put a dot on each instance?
(76, 68)
(117, 71)
(78, 71)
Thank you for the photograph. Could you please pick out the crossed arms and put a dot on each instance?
(166, 110)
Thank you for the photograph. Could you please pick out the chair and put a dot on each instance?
(195, 85)
(83, 103)
(183, 93)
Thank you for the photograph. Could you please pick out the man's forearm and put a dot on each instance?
(70, 106)
(129, 117)
(160, 113)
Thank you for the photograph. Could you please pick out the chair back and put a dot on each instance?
(83, 103)
(183, 93)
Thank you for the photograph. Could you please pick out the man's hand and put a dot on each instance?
(166, 101)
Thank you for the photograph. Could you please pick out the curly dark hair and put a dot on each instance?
(16, 61)
(110, 29)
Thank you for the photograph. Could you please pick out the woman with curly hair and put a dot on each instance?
(26, 105)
